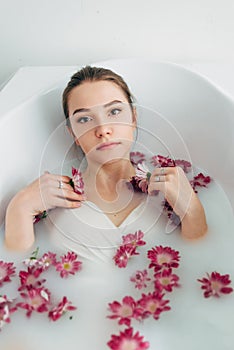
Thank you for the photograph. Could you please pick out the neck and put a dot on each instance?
(106, 178)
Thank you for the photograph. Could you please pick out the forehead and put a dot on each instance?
(90, 94)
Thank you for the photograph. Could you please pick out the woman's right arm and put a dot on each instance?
(42, 194)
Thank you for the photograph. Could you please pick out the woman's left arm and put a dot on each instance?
(173, 183)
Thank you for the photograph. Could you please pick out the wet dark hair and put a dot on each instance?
(92, 74)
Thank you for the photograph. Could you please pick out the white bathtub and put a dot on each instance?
(185, 116)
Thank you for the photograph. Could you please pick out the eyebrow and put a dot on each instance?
(88, 109)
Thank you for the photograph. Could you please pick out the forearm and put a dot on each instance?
(19, 229)
(193, 224)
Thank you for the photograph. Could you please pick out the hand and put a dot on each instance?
(47, 193)
(177, 190)
(173, 183)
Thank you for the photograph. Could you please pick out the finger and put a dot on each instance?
(55, 191)
(56, 198)
(56, 177)
(63, 178)
(72, 195)
(158, 178)
(67, 187)
(156, 186)
(166, 170)
(65, 203)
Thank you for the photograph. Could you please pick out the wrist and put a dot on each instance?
(20, 205)
(193, 224)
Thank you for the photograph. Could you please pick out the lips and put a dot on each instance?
(107, 145)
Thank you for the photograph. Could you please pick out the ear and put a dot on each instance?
(72, 134)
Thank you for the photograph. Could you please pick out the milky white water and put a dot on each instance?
(193, 322)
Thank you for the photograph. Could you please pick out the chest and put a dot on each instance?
(118, 210)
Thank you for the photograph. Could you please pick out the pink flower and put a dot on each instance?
(152, 304)
(124, 311)
(200, 181)
(174, 218)
(60, 309)
(124, 252)
(137, 157)
(127, 340)
(77, 181)
(165, 280)
(215, 284)
(140, 278)
(133, 185)
(5, 310)
(47, 260)
(162, 257)
(135, 239)
(29, 278)
(40, 216)
(36, 299)
(184, 164)
(128, 248)
(31, 262)
(142, 177)
(68, 264)
(6, 271)
(160, 161)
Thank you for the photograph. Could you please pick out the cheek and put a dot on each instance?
(86, 142)
(127, 132)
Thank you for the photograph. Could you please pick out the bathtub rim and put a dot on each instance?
(53, 86)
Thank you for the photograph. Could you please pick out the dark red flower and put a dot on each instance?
(140, 278)
(77, 181)
(29, 278)
(134, 239)
(163, 257)
(6, 309)
(127, 340)
(160, 161)
(165, 280)
(215, 284)
(6, 271)
(142, 177)
(174, 218)
(59, 310)
(137, 157)
(124, 252)
(184, 164)
(69, 264)
(153, 304)
(47, 260)
(36, 299)
(125, 311)
(200, 180)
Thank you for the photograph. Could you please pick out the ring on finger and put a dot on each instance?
(157, 178)
(60, 185)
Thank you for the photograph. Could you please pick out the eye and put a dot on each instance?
(115, 111)
(84, 119)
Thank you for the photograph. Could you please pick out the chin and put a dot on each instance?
(110, 156)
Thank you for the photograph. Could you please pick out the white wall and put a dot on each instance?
(71, 32)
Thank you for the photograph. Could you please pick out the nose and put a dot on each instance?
(103, 130)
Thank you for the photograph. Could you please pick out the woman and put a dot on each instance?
(102, 119)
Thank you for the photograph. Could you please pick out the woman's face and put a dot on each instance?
(102, 120)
